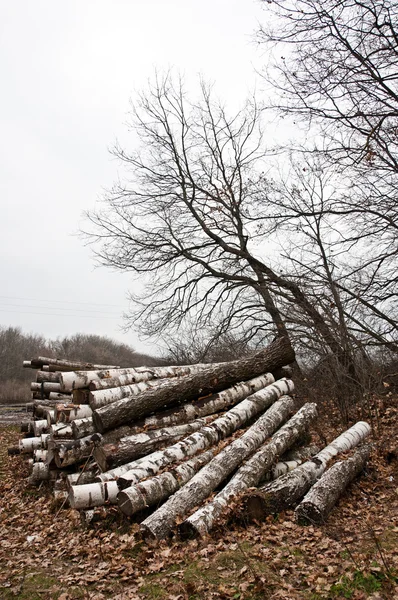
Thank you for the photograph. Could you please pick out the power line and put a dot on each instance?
(46, 314)
(58, 308)
(59, 301)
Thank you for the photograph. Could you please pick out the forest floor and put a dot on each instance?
(46, 553)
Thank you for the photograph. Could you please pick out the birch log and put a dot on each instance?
(70, 452)
(161, 522)
(249, 474)
(82, 427)
(156, 489)
(317, 504)
(42, 376)
(291, 460)
(93, 494)
(129, 448)
(83, 379)
(208, 436)
(210, 380)
(104, 397)
(286, 490)
(66, 364)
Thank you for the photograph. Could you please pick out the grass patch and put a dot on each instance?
(359, 581)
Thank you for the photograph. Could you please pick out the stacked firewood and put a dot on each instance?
(169, 437)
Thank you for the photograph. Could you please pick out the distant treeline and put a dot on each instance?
(16, 346)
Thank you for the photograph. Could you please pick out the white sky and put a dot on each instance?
(68, 69)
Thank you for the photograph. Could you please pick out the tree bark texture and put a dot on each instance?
(37, 363)
(99, 398)
(249, 474)
(317, 504)
(41, 376)
(129, 448)
(83, 379)
(73, 451)
(156, 489)
(82, 427)
(286, 490)
(289, 461)
(210, 380)
(161, 522)
(93, 494)
(208, 436)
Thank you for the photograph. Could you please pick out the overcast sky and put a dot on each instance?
(68, 70)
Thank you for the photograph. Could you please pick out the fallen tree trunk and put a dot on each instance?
(323, 495)
(45, 386)
(289, 461)
(37, 363)
(99, 398)
(70, 452)
(248, 475)
(82, 427)
(160, 523)
(156, 489)
(83, 379)
(286, 490)
(220, 429)
(93, 494)
(110, 456)
(210, 380)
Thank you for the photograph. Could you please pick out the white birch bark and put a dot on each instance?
(290, 460)
(160, 523)
(40, 455)
(211, 380)
(28, 445)
(103, 397)
(82, 427)
(40, 472)
(70, 452)
(109, 456)
(286, 490)
(82, 379)
(59, 397)
(250, 473)
(82, 478)
(319, 501)
(156, 489)
(40, 426)
(208, 436)
(60, 431)
(93, 494)
(50, 416)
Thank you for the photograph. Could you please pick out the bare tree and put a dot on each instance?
(196, 217)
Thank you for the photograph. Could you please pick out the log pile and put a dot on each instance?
(166, 438)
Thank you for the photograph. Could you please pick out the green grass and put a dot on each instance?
(359, 581)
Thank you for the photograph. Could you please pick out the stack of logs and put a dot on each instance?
(168, 437)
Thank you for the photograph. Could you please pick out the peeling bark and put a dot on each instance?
(83, 379)
(317, 504)
(286, 490)
(161, 522)
(82, 427)
(249, 474)
(129, 448)
(208, 436)
(210, 380)
(156, 489)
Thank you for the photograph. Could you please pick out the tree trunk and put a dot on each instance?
(289, 461)
(45, 386)
(73, 451)
(321, 498)
(110, 456)
(83, 379)
(160, 523)
(210, 380)
(286, 490)
(40, 426)
(67, 364)
(249, 474)
(82, 427)
(93, 494)
(208, 436)
(156, 489)
(100, 398)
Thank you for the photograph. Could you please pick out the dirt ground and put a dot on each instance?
(46, 552)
